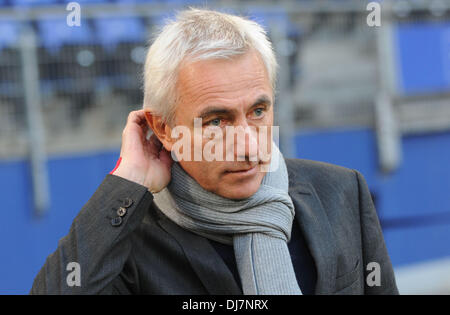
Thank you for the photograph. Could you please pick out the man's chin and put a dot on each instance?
(239, 191)
(238, 195)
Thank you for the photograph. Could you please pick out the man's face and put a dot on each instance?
(226, 93)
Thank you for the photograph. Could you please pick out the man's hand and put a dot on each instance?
(145, 162)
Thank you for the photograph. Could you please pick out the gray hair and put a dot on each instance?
(198, 34)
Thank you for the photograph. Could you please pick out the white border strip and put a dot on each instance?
(431, 277)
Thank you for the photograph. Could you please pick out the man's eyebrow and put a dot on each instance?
(263, 99)
(215, 110)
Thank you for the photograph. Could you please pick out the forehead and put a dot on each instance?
(222, 82)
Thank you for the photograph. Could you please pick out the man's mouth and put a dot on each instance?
(249, 169)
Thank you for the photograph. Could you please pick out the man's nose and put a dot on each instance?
(247, 144)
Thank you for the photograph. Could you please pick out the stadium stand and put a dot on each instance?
(9, 58)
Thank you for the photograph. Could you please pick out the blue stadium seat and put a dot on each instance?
(119, 36)
(54, 33)
(33, 2)
(112, 31)
(9, 31)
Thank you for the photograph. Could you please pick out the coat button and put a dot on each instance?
(121, 211)
(127, 202)
(116, 221)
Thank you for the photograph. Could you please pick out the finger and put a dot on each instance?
(137, 122)
(136, 117)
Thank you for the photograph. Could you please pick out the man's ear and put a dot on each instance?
(161, 129)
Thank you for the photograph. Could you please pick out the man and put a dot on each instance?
(217, 226)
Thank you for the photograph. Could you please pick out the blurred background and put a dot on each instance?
(371, 98)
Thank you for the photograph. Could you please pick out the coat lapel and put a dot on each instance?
(317, 232)
(206, 262)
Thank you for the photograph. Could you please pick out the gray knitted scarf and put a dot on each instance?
(258, 227)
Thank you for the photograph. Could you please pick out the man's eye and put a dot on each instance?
(215, 122)
(259, 111)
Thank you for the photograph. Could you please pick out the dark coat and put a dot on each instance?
(144, 252)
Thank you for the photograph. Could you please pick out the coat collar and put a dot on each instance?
(314, 224)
